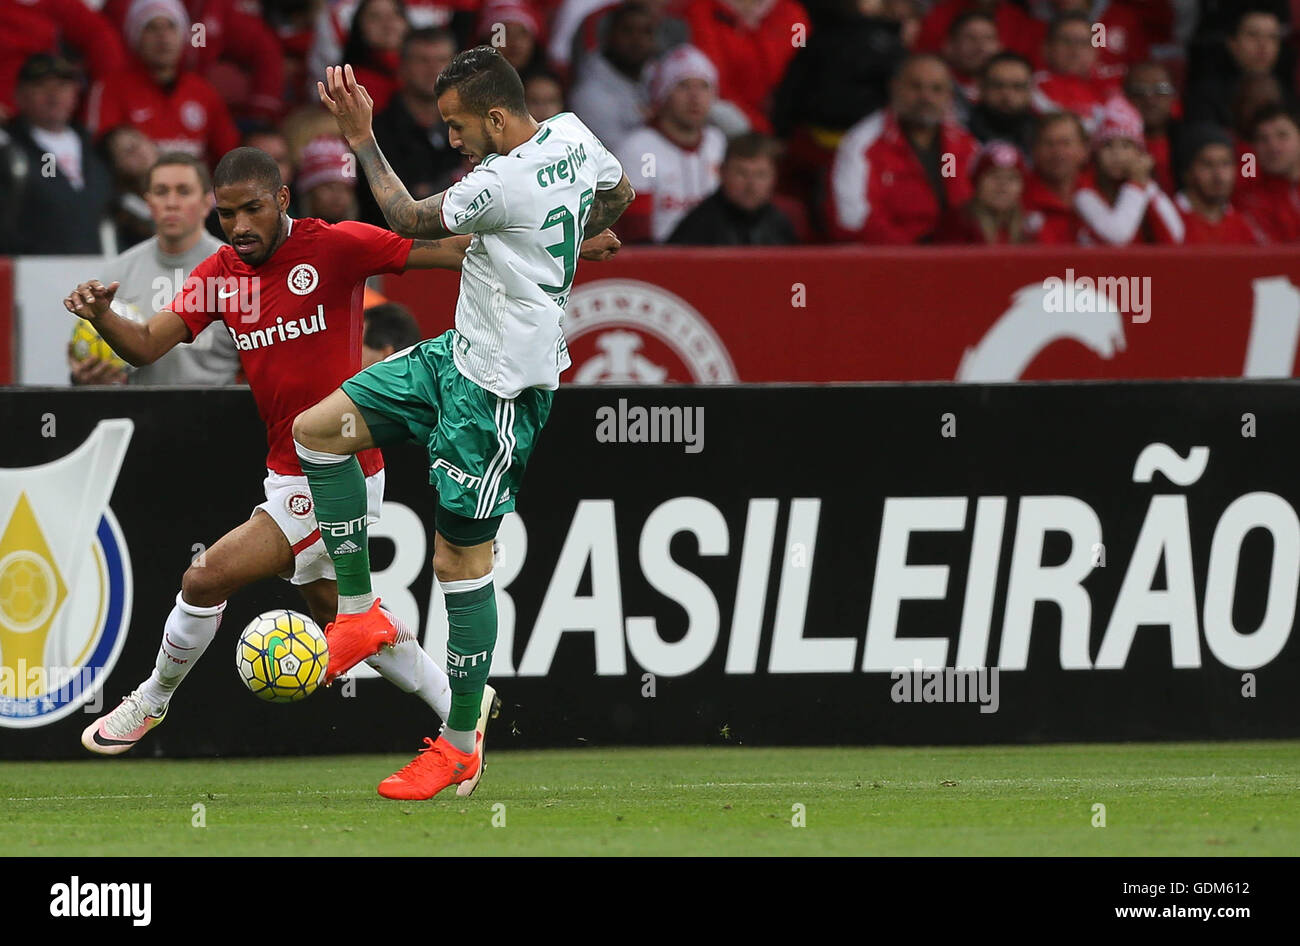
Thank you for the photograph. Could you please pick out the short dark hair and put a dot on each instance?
(1061, 19)
(1269, 113)
(616, 16)
(1249, 10)
(243, 165)
(1055, 118)
(961, 19)
(484, 80)
(752, 145)
(391, 324)
(427, 34)
(180, 159)
(1004, 57)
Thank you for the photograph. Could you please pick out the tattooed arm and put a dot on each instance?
(417, 219)
(608, 207)
(351, 105)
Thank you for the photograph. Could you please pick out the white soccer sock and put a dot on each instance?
(408, 667)
(412, 670)
(186, 635)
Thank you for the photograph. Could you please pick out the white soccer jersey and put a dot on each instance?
(526, 210)
(675, 178)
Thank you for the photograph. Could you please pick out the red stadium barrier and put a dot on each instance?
(919, 314)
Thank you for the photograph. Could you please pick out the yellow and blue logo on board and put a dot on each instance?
(65, 580)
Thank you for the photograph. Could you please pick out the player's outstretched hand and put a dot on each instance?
(601, 247)
(91, 299)
(348, 101)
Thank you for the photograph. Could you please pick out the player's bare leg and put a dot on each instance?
(456, 757)
(326, 436)
(252, 551)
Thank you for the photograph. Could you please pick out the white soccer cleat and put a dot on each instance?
(115, 732)
(490, 708)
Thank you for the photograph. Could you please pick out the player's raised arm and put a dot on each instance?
(352, 107)
(609, 206)
(137, 344)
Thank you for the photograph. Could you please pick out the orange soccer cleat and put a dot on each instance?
(354, 637)
(438, 765)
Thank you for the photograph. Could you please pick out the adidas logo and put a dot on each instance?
(347, 548)
(504, 496)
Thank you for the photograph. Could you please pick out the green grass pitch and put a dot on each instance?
(1160, 799)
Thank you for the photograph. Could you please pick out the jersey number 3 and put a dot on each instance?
(570, 243)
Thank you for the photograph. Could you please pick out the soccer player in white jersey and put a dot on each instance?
(476, 397)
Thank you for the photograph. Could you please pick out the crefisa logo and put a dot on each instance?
(65, 580)
(623, 331)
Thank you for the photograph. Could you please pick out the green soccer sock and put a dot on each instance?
(471, 638)
(338, 488)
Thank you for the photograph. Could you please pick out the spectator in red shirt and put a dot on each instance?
(898, 171)
(1123, 205)
(1121, 35)
(28, 27)
(972, 42)
(1270, 198)
(1070, 82)
(1018, 31)
(236, 40)
(751, 42)
(1151, 90)
(994, 215)
(178, 109)
(1060, 160)
(326, 184)
(1209, 169)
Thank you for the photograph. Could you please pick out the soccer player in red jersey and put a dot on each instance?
(290, 294)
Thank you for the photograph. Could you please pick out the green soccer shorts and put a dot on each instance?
(478, 443)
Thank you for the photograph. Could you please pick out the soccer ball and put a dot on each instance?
(87, 343)
(281, 656)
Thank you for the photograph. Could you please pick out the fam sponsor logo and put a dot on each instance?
(624, 331)
(65, 580)
(467, 480)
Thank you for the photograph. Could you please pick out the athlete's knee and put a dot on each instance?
(309, 431)
(460, 563)
(203, 586)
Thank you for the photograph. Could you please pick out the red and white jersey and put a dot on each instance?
(1139, 215)
(188, 116)
(1086, 98)
(296, 319)
(1233, 227)
(669, 180)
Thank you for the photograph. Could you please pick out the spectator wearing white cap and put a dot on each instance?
(1124, 205)
(673, 161)
(176, 108)
(326, 180)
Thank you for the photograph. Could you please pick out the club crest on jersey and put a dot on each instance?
(298, 505)
(303, 279)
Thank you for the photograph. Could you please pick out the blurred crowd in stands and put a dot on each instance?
(739, 122)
